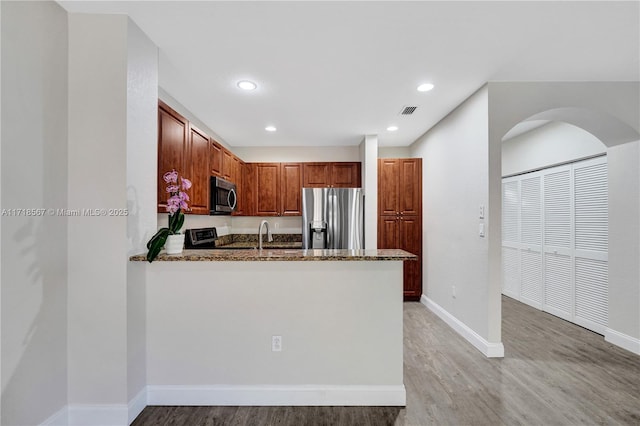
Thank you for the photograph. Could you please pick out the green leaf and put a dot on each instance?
(175, 221)
(155, 237)
(156, 245)
(179, 223)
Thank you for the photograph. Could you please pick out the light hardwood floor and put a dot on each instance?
(553, 373)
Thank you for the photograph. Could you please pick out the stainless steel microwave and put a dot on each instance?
(222, 196)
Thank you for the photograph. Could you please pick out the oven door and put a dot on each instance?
(223, 196)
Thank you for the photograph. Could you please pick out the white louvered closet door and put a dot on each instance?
(558, 242)
(531, 291)
(591, 244)
(555, 241)
(511, 237)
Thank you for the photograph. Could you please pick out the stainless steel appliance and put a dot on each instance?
(202, 238)
(222, 196)
(332, 218)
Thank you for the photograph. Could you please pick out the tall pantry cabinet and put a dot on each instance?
(400, 215)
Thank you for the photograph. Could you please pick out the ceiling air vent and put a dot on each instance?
(408, 110)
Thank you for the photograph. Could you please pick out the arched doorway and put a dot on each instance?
(609, 111)
(555, 221)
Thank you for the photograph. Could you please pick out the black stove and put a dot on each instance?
(201, 238)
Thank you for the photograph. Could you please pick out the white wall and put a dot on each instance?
(610, 111)
(142, 138)
(369, 155)
(455, 184)
(278, 154)
(328, 347)
(142, 145)
(624, 245)
(394, 152)
(34, 175)
(181, 109)
(552, 144)
(97, 345)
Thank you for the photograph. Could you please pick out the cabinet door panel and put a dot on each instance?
(227, 164)
(291, 189)
(240, 180)
(411, 234)
(316, 175)
(410, 186)
(388, 232)
(172, 143)
(412, 277)
(249, 188)
(411, 241)
(345, 175)
(215, 158)
(388, 178)
(267, 193)
(198, 171)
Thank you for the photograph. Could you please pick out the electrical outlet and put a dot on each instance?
(453, 291)
(276, 343)
(481, 212)
(481, 230)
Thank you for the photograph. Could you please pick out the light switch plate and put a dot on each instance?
(481, 230)
(481, 212)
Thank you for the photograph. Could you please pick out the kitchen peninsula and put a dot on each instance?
(274, 327)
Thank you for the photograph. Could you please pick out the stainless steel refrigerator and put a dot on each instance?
(332, 218)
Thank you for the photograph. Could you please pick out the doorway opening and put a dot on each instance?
(555, 221)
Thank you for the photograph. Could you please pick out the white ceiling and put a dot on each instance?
(330, 72)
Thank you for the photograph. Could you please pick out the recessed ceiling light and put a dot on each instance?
(270, 129)
(247, 85)
(392, 128)
(425, 87)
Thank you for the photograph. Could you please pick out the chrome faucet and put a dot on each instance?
(269, 236)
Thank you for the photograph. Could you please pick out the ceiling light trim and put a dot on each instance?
(247, 85)
(425, 87)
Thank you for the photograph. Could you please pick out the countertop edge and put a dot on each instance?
(267, 255)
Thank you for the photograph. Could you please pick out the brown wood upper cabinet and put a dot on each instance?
(227, 164)
(274, 189)
(215, 158)
(173, 133)
(400, 182)
(400, 215)
(267, 189)
(197, 170)
(197, 157)
(185, 148)
(332, 175)
(291, 189)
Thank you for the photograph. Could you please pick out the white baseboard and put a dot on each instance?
(393, 395)
(98, 415)
(137, 404)
(60, 418)
(490, 350)
(624, 341)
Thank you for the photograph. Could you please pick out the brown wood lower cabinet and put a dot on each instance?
(404, 232)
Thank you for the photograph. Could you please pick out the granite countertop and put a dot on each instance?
(266, 254)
